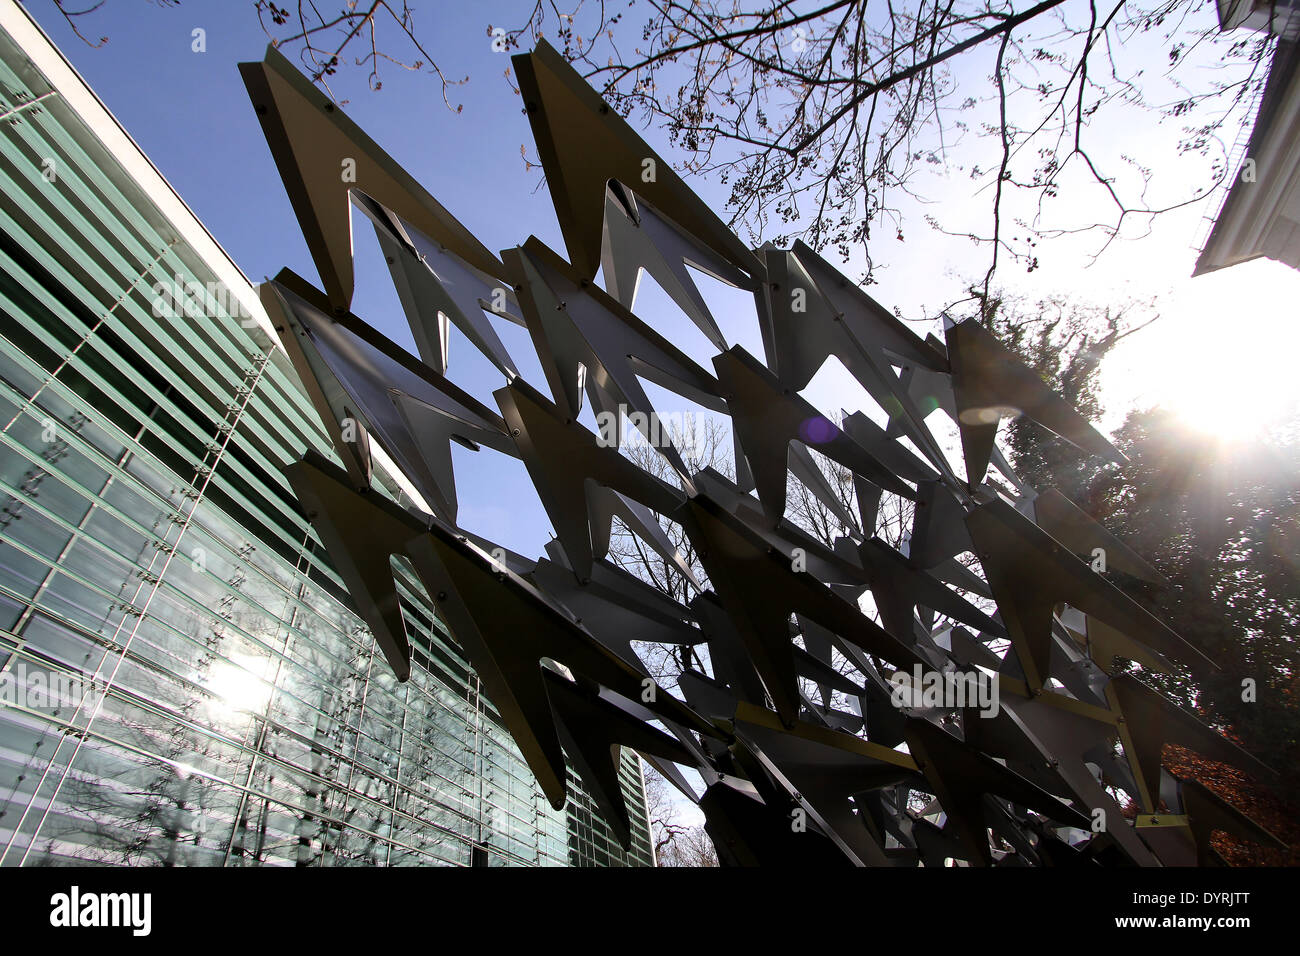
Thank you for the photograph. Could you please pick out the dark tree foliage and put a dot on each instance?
(1065, 343)
(1222, 521)
(1220, 518)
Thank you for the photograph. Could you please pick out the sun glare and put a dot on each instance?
(237, 686)
(1221, 357)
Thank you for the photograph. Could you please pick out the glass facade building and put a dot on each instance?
(184, 682)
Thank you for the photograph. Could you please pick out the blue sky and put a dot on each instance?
(1220, 337)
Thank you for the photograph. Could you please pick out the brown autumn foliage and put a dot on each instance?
(1267, 806)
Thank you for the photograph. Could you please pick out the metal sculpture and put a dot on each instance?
(893, 775)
